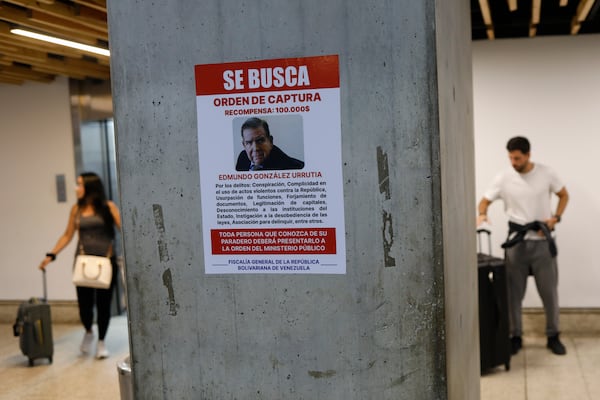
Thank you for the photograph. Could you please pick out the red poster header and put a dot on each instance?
(319, 72)
(273, 241)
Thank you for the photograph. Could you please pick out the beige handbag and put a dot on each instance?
(92, 271)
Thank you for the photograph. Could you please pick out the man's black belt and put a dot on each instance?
(521, 230)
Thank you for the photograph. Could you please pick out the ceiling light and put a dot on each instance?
(62, 42)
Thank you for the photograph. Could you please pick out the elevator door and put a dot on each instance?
(98, 155)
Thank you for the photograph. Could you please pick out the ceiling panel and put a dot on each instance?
(501, 19)
(23, 59)
(84, 21)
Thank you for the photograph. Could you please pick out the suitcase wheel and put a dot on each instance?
(31, 362)
(507, 366)
(50, 360)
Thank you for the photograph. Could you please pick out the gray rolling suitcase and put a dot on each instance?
(34, 328)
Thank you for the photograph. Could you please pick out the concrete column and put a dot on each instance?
(401, 324)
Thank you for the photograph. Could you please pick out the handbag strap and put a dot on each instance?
(93, 277)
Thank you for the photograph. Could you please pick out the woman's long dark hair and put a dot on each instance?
(94, 194)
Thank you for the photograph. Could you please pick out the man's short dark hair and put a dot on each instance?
(254, 123)
(519, 143)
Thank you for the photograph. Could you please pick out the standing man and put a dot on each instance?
(530, 249)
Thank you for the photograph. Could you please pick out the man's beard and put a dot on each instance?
(520, 169)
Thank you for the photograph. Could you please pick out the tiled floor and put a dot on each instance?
(536, 374)
(71, 375)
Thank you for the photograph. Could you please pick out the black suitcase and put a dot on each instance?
(494, 341)
(34, 328)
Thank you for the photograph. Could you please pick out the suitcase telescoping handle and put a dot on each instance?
(489, 236)
(45, 286)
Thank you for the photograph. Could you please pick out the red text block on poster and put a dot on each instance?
(273, 241)
(306, 73)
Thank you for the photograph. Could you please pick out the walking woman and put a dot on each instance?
(94, 218)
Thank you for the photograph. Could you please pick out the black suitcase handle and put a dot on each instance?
(45, 285)
(489, 236)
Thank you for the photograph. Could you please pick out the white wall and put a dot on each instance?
(547, 89)
(36, 144)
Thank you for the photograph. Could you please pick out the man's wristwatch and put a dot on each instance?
(557, 218)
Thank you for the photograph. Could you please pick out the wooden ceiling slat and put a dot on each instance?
(75, 67)
(536, 9)
(94, 15)
(63, 10)
(71, 67)
(487, 18)
(84, 21)
(12, 81)
(7, 46)
(91, 67)
(76, 22)
(56, 67)
(14, 71)
(25, 45)
(67, 66)
(8, 38)
(67, 26)
(26, 19)
(99, 5)
(48, 69)
(583, 9)
(42, 77)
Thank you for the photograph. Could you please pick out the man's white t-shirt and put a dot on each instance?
(526, 196)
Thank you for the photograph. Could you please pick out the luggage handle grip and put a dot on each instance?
(489, 237)
(45, 285)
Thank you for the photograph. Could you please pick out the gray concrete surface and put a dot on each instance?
(378, 332)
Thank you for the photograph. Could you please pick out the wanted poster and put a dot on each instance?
(269, 145)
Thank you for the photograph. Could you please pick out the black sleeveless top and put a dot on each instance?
(93, 237)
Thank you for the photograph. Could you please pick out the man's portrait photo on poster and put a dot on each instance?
(274, 142)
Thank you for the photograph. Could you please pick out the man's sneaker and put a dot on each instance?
(86, 343)
(555, 345)
(516, 343)
(101, 351)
